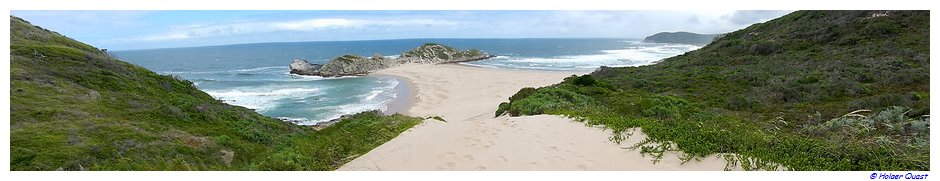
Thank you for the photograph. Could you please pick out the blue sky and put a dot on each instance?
(121, 30)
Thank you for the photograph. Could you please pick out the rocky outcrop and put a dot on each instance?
(353, 65)
(349, 65)
(341, 66)
(432, 53)
(681, 38)
(303, 67)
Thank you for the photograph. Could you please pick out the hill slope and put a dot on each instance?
(812, 90)
(73, 107)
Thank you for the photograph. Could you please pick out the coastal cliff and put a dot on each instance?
(350, 65)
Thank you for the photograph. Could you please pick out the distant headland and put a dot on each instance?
(681, 38)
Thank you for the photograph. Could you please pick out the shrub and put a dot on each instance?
(522, 94)
(547, 99)
(224, 140)
(584, 80)
(503, 107)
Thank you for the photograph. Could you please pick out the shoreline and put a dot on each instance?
(406, 91)
(404, 95)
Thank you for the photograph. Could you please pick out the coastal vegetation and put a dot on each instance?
(74, 107)
(812, 90)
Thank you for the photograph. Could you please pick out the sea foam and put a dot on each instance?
(634, 54)
(261, 99)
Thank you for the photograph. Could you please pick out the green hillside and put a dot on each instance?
(73, 107)
(812, 90)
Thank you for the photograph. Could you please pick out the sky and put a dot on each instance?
(126, 30)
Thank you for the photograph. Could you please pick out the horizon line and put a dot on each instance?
(390, 39)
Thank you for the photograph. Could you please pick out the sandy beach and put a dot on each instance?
(473, 139)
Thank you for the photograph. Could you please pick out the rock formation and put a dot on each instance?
(353, 65)
(303, 67)
(347, 65)
(431, 53)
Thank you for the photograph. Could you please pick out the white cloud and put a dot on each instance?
(203, 31)
(306, 25)
(163, 37)
(745, 17)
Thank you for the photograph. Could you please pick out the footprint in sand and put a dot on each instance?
(467, 139)
(503, 158)
(447, 155)
(481, 167)
(468, 157)
(478, 140)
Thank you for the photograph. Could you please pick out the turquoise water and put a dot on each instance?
(256, 76)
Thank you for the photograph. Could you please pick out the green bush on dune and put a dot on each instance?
(339, 143)
(786, 92)
(73, 107)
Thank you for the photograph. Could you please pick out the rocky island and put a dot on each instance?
(351, 65)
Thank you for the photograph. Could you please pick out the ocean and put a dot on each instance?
(256, 75)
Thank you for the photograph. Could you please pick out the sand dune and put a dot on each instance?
(472, 139)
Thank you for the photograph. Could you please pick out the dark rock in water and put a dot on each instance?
(681, 38)
(302, 67)
(348, 65)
